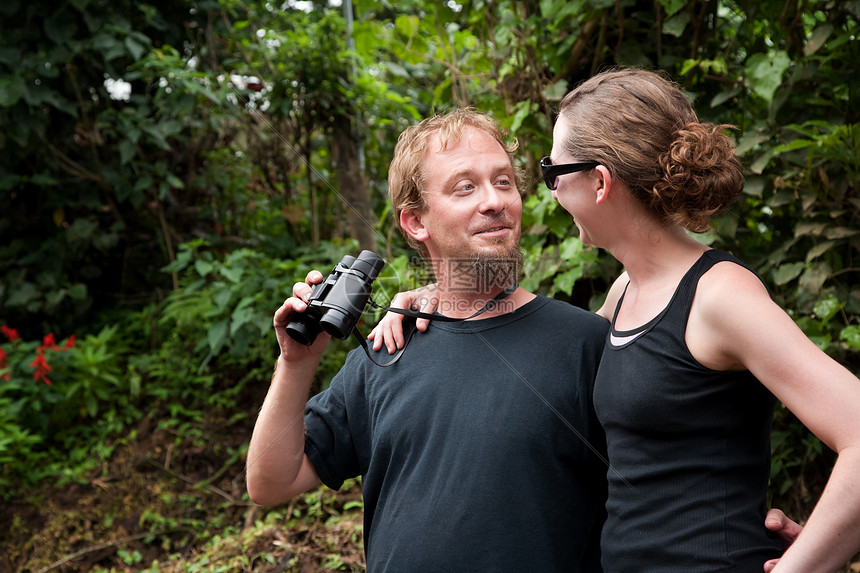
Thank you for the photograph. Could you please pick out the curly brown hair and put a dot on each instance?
(641, 126)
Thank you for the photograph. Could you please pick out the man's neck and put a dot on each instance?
(457, 302)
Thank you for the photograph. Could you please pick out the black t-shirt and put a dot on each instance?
(689, 449)
(478, 450)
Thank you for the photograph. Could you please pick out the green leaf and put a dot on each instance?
(233, 274)
(570, 248)
(407, 26)
(787, 272)
(12, 89)
(174, 181)
(222, 298)
(156, 136)
(203, 268)
(675, 26)
(851, 336)
(78, 291)
(240, 317)
(524, 109)
(819, 250)
(183, 258)
(54, 298)
(59, 27)
(813, 229)
(814, 277)
(134, 48)
(817, 39)
(22, 294)
(10, 56)
(565, 281)
(91, 405)
(764, 72)
(826, 308)
(672, 6)
(556, 91)
(725, 96)
(821, 341)
(127, 151)
(217, 334)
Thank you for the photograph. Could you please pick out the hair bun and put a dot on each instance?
(701, 175)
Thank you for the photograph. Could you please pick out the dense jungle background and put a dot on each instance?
(168, 169)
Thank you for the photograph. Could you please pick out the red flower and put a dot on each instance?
(42, 368)
(4, 363)
(49, 342)
(70, 342)
(10, 333)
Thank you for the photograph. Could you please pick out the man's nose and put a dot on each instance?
(492, 199)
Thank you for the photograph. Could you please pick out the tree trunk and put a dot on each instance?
(352, 185)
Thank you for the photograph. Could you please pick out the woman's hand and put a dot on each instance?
(389, 331)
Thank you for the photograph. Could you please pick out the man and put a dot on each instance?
(478, 450)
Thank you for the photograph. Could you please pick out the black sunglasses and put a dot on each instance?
(551, 172)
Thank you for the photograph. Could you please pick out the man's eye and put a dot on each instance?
(465, 188)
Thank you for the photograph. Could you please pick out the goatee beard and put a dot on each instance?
(492, 272)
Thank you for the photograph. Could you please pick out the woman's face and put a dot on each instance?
(574, 191)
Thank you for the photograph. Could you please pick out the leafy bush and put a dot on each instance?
(50, 392)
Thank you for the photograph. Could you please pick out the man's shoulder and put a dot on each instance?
(562, 319)
(567, 311)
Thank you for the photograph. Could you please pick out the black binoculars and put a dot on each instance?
(336, 304)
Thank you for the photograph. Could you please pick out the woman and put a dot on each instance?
(697, 352)
(697, 349)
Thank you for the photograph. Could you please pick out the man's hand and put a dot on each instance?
(389, 330)
(290, 349)
(788, 530)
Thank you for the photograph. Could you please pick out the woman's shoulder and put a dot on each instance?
(613, 296)
(730, 293)
(730, 276)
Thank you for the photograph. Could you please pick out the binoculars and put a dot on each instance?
(336, 304)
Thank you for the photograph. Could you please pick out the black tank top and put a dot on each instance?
(689, 450)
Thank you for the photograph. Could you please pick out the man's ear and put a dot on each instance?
(412, 225)
(603, 183)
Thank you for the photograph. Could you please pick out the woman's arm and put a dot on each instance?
(735, 324)
(389, 330)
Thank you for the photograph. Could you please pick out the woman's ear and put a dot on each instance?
(603, 183)
(412, 225)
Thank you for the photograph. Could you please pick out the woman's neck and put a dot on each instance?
(657, 254)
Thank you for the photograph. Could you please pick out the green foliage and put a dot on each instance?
(223, 313)
(554, 260)
(50, 393)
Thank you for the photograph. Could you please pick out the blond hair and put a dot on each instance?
(407, 182)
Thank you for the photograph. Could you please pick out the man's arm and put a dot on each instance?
(788, 530)
(277, 468)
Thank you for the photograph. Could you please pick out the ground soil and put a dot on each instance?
(168, 504)
(165, 503)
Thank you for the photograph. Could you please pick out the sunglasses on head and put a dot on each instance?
(551, 172)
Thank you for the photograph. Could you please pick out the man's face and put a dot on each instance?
(474, 208)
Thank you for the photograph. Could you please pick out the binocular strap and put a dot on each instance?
(409, 326)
